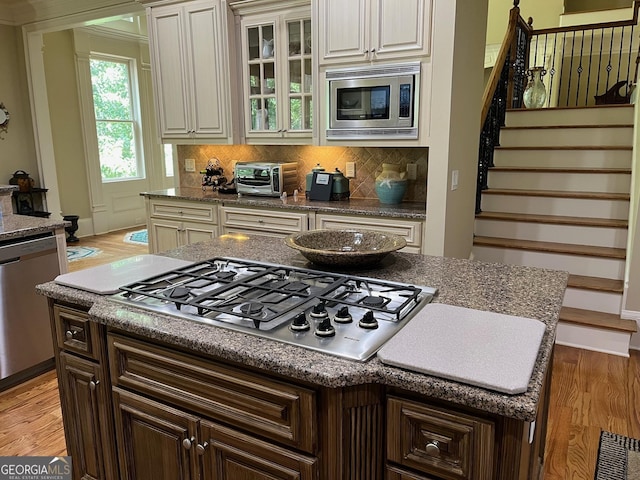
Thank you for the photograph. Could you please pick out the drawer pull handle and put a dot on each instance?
(201, 448)
(260, 220)
(433, 449)
(187, 442)
(71, 334)
(93, 384)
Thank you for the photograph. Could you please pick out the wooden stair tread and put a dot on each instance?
(556, 193)
(566, 147)
(551, 247)
(554, 219)
(551, 109)
(626, 171)
(592, 318)
(596, 283)
(556, 127)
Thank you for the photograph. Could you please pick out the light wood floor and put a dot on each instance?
(30, 417)
(590, 391)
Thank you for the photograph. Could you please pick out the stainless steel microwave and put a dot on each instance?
(377, 101)
(266, 178)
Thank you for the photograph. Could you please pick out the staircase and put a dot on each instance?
(558, 198)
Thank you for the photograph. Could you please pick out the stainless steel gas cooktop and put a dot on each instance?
(342, 315)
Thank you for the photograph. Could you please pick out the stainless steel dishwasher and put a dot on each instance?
(26, 346)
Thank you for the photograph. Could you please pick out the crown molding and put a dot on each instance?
(21, 12)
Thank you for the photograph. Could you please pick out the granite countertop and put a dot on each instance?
(366, 207)
(14, 226)
(513, 290)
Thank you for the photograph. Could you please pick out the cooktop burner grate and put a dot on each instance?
(347, 315)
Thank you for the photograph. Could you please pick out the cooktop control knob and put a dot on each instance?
(343, 316)
(368, 321)
(319, 311)
(300, 323)
(325, 329)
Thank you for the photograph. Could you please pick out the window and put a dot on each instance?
(168, 159)
(116, 122)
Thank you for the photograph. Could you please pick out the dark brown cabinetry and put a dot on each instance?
(440, 442)
(156, 442)
(85, 396)
(184, 440)
(177, 414)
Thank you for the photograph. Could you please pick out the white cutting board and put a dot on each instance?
(484, 349)
(108, 278)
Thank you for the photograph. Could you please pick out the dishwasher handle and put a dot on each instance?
(11, 252)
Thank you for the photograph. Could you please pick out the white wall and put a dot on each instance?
(17, 149)
(457, 88)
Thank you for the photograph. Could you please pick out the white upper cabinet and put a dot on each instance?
(190, 70)
(372, 30)
(277, 73)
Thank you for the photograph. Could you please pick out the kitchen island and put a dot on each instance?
(222, 404)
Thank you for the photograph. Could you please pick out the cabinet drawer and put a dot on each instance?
(410, 230)
(273, 409)
(75, 333)
(432, 440)
(198, 211)
(394, 473)
(263, 221)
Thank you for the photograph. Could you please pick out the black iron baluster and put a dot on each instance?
(564, 42)
(552, 71)
(629, 79)
(544, 62)
(579, 70)
(573, 44)
(600, 60)
(586, 95)
(609, 68)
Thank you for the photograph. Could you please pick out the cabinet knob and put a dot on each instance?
(260, 220)
(366, 52)
(70, 334)
(201, 448)
(187, 442)
(93, 384)
(373, 50)
(433, 449)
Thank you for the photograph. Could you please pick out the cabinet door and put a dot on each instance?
(188, 66)
(169, 68)
(164, 235)
(204, 62)
(260, 44)
(198, 232)
(87, 414)
(401, 28)
(231, 455)
(344, 30)
(155, 442)
(278, 75)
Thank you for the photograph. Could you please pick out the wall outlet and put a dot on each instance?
(454, 179)
(412, 171)
(189, 165)
(350, 170)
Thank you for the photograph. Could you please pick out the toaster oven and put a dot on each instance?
(266, 178)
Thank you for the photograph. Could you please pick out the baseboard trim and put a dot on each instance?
(630, 315)
(595, 339)
(85, 227)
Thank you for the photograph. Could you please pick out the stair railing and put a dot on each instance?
(582, 63)
(504, 90)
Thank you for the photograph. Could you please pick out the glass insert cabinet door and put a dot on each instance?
(279, 77)
(299, 75)
(263, 82)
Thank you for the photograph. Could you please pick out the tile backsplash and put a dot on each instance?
(368, 162)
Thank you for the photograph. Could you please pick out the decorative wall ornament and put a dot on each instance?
(4, 120)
